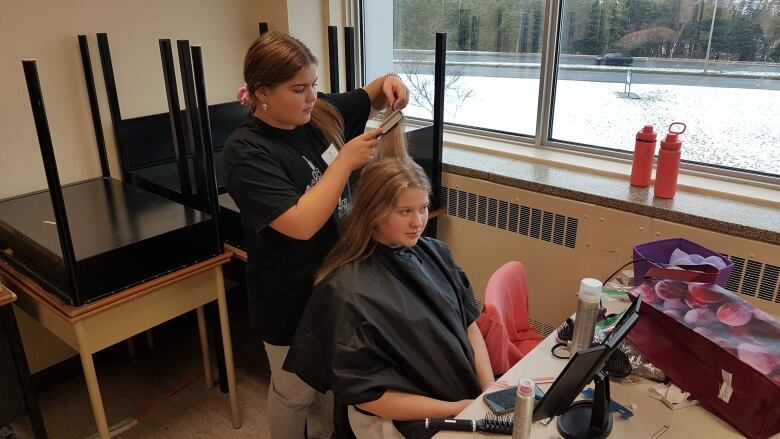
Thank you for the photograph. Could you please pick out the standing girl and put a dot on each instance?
(287, 168)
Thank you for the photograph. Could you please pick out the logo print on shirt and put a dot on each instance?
(343, 207)
(316, 174)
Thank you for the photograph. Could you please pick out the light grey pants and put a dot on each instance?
(292, 404)
(371, 427)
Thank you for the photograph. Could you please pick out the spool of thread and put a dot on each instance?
(587, 314)
(524, 409)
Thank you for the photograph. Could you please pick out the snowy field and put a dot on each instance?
(726, 126)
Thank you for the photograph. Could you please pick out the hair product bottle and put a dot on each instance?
(644, 153)
(587, 314)
(669, 163)
(524, 409)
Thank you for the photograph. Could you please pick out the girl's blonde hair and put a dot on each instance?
(392, 145)
(381, 184)
(276, 57)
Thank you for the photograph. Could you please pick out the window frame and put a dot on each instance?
(548, 73)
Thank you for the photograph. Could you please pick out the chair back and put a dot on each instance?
(504, 320)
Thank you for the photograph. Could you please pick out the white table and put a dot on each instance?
(650, 416)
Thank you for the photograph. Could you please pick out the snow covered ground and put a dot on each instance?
(600, 68)
(726, 126)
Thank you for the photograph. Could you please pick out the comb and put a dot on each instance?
(391, 121)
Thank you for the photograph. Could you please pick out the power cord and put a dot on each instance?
(566, 330)
(183, 385)
(626, 265)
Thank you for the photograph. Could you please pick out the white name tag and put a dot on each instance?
(330, 154)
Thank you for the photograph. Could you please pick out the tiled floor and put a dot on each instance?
(139, 387)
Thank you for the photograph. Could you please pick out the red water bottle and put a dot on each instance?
(668, 163)
(644, 153)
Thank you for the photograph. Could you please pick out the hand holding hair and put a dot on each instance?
(360, 150)
(395, 91)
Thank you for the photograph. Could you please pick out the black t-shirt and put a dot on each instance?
(267, 170)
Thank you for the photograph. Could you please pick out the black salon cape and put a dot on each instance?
(395, 320)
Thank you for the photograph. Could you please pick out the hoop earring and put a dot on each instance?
(265, 107)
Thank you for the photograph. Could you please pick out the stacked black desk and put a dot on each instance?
(159, 153)
(105, 248)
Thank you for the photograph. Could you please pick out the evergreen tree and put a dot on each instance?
(617, 26)
(744, 37)
(590, 44)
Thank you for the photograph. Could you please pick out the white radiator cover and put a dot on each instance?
(561, 241)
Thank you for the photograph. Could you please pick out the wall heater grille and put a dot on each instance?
(748, 277)
(524, 220)
(755, 279)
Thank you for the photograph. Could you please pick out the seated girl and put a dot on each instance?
(390, 326)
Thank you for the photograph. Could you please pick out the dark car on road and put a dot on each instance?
(614, 59)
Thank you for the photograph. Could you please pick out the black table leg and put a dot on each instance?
(216, 335)
(23, 371)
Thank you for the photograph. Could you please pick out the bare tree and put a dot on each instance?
(420, 80)
(685, 14)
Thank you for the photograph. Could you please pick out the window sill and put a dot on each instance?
(729, 188)
(730, 207)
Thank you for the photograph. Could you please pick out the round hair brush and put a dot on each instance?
(490, 424)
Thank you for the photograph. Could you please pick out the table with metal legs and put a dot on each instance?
(98, 325)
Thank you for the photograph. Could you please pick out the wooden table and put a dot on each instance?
(237, 252)
(96, 326)
(10, 332)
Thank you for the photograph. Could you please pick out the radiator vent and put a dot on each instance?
(754, 279)
(515, 218)
(479, 304)
(542, 329)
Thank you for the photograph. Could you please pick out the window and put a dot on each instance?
(713, 64)
(725, 88)
(492, 58)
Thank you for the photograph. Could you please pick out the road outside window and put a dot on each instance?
(726, 87)
(720, 76)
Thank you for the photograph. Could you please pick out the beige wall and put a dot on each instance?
(46, 30)
(308, 20)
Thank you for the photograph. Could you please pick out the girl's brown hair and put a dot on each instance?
(276, 57)
(381, 184)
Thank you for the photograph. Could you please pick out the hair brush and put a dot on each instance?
(490, 424)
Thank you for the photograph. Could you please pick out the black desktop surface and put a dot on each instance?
(166, 175)
(122, 235)
(427, 154)
(147, 140)
(232, 230)
(152, 165)
(420, 145)
(149, 153)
